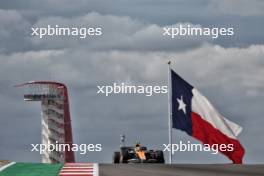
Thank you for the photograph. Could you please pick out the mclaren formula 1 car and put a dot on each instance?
(138, 154)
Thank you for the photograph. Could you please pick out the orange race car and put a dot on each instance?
(138, 154)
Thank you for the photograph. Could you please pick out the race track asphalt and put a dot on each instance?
(180, 170)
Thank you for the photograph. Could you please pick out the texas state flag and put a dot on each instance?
(194, 114)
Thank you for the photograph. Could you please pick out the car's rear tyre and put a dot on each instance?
(116, 157)
(124, 156)
(160, 157)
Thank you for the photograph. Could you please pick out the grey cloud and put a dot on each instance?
(119, 33)
(112, 14)
(12, 31)
(237, 7)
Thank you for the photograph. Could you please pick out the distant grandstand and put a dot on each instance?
(55, 112)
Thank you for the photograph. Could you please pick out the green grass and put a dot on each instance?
(30, 169)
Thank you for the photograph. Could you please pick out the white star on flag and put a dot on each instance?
(182, 105)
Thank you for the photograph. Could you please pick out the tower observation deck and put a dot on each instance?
(56, 120)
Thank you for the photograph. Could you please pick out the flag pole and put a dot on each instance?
(169, 112)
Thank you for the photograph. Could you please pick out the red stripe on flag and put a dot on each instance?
(205, 132)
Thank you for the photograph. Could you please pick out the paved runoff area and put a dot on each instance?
(180, 170)
(93, 169)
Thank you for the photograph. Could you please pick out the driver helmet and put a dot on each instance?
(137, 146)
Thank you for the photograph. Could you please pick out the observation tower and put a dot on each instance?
(55, 117)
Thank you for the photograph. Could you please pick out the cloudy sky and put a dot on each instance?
(228, 70)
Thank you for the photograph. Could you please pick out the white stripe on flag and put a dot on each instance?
(206, 110)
